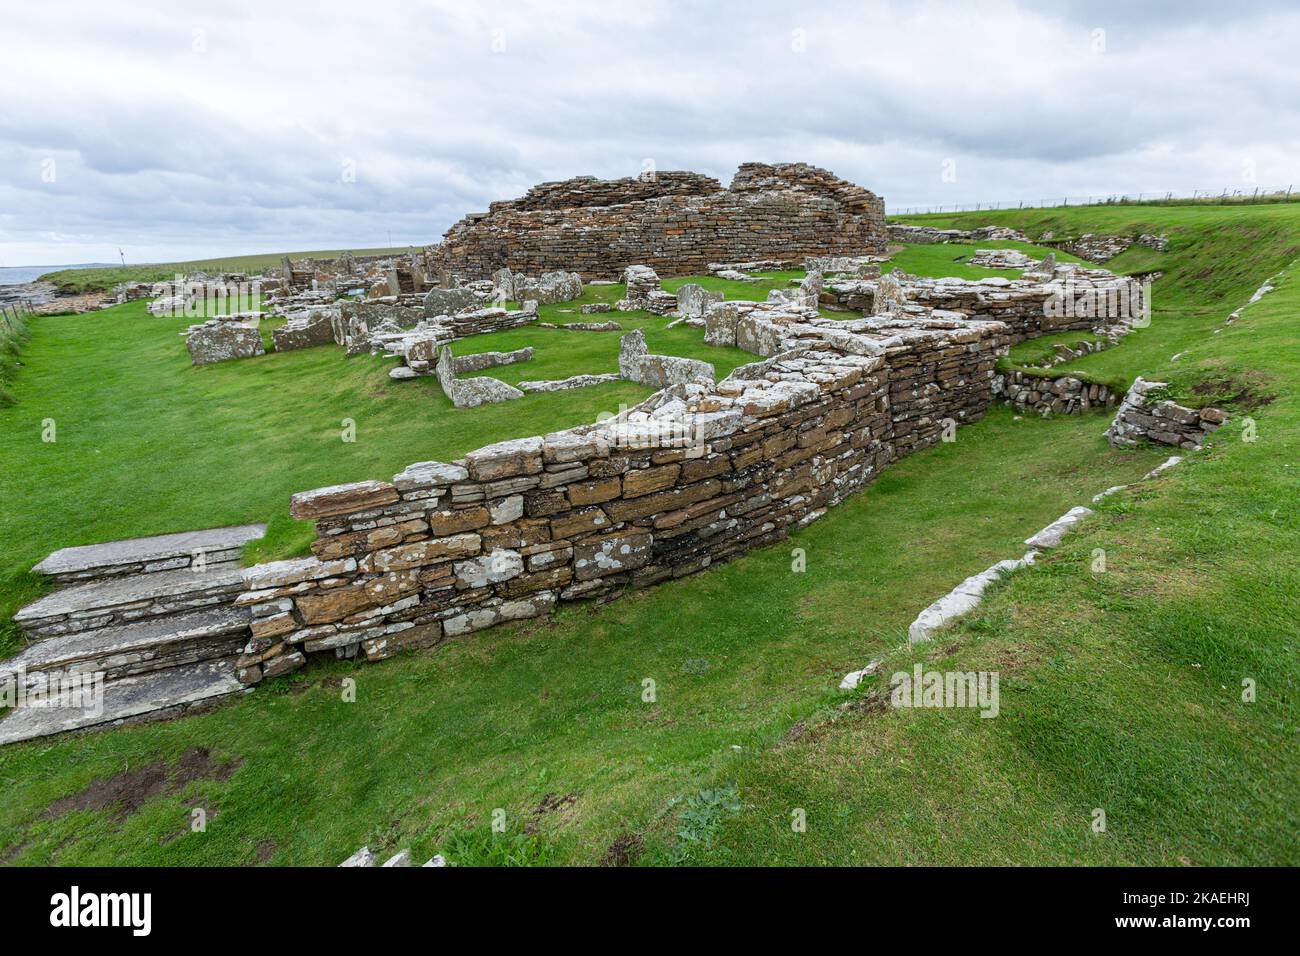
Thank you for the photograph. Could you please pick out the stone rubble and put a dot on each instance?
(1143, 416)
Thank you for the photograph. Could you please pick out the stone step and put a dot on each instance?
(152, 696)
(122, 600)
(131, 649)
(164, 552)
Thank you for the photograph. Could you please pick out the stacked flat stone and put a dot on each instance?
(1142, 416)
(1001, 259)
(675, 222)
(1031, 305)
(641, 282)
(845, 267)
(928, 235)
(1103, 248)
(697, 474)
(1064, 395)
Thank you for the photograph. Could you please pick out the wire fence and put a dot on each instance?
(13, 313)
(1254, 194)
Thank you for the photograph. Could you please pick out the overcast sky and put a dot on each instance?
(241, 127)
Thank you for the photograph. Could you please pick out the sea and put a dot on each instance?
(17, 275)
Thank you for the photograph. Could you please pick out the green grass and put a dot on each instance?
(103, 278)
(1040, 351)
(949, 259)
(1120, 691)
(438, 740)
(13, 334)
(1101, 702)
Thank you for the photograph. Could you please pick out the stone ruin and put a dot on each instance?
(1056, 298)
(643, 292)
(637, 363)
(1103, 248)
(928, 235)
(674, 222)
(223, 338)
(1145, 416)
(549, 288)
(696, 474)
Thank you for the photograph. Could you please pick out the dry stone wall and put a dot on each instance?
(1143, 415)
(1061, 298)
(1046, 395)
(677, 223)
(697, 474)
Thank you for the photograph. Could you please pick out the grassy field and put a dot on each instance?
(100, 279)
(1119, 690)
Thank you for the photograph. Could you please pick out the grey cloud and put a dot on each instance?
(239, 146)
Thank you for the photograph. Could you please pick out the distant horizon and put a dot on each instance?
(94, 264)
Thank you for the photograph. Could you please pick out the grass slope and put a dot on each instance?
(1120, 690)
(1102, 705)
(101, 278)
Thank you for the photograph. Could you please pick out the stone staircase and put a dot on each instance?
(136, 629)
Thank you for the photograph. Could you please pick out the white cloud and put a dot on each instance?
(226, 129)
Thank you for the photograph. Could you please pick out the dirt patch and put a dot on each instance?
(124, 793)
(623, 851)
(265, 849)
(1235, 392)
(551, 803)
(14, 852)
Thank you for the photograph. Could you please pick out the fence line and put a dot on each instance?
(14, 312)
(1198, 196)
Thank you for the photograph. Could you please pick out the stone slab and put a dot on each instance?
(115, 554)
(115, 592)
(158, 694)
(137, 638)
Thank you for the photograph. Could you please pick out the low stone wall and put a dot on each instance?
(928, 235)
(1103, 248)
(1065, 395)
(636, 363)
(1143, 416)
(695, 475)
(677, 223)
(1065, 298)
